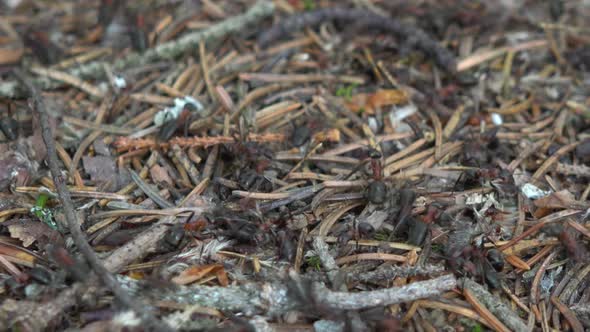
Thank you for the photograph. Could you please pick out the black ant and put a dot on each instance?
(474, 260)
(377, 191)
(9, 126)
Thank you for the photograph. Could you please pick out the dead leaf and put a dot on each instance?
(542, 212)
(14, 165)
(100, 168)
(29, 232)
(370, 102)
(160, 175)
(560, 200)
(222, 277)
(195, 273)
(13, 251)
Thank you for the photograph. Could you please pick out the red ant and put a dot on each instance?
(171, 126)
(475, 261)
(574, 248)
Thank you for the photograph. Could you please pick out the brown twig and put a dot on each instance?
(413, 36)
(73, 223)
(125, 143)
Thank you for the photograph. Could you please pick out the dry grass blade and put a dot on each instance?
(324, 227)
(517, 262)
(155, 196)
(438, 134)
(375, 243)
(532, 230)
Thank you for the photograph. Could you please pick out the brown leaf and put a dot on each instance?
(159, 174)
(195, 273)
(13, 251)
(100, 168)
(559, 200)
(13, 165)
(37, 149)
(222, 277)
(29, 232)
(370, 102)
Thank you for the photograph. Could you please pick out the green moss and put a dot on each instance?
(309, 5)
(346, 91)
(314, 262)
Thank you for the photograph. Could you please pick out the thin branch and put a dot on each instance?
(275, 299)
(383, 297)
(73, 222)
(126, 143)
(412, 36)
(388, 272)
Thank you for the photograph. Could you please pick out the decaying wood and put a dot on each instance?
(274, 299)
(495, 305)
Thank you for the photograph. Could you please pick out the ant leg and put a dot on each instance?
(187, 124)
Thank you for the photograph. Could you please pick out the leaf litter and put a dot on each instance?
(307, 165)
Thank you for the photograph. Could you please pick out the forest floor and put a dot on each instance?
(294, 165)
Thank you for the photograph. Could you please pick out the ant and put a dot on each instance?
(479, 153)
(575, 249)
(172, 124)
(9, 126)
(238, 227)
(176, 236)
(76, 268)
(499, 179)
(137, 30)
(43, 48)
(377, 191)
(253, 160)
(473, 260)
(358, 231)
(287, 245)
